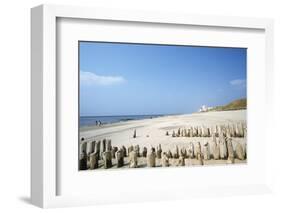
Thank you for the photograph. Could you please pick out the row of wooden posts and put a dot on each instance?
(218, 148)
(230, 130)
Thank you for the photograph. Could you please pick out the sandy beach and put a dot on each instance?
(152, 132)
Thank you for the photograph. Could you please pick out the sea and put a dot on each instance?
(92, 120)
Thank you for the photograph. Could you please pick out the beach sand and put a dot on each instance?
(151, 132)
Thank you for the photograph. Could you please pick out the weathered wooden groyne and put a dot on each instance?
(101, 154)
(230, 130)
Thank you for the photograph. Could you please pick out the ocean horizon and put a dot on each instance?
(94, 120)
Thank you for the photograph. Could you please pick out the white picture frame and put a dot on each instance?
(44, 84)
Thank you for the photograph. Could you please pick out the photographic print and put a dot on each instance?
(154, 106)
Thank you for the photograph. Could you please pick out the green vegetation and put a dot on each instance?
(234, 105)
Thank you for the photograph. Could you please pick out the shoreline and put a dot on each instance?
(93, 127)
(120, 123)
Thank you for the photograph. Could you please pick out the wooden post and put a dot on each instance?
(165, 160)
(151, 158)
(133, 160)
(230, 150)
(206, 151)
(107, 159)
(119, 158)
(94, 161)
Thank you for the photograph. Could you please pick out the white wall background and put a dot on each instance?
(15, 103)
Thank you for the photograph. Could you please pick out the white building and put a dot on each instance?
(204, 108)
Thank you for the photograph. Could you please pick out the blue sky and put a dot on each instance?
(136, 79)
